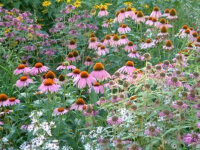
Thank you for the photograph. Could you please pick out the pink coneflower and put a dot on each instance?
(38, 68)
(128, 68)
(198, 125)
(76, 55)
(147, 44)
(11, 101)
(130, 47)
(79, 105)
(23, 81)
(93, 43)
(75, 73)
(168, 45)
(22, 68)
(130, 13)
(166, 114)
(134, 54)
(172, 14)
(6, 111)
(149, 21)
(173, 81)
(64, 66)
(102, 50)
(88, 61)
(121, 16)
(1, 123)
(60, 111)
(163, 32)
(163, 22)
(72, 44)
(103, 12)
(114, 120)
(99, 73)
(124, 29)
(152, 131)
(70, 57)
(192, 96)
(124, 40)
(179, 105)
(156, 12)
(85, 79)
(191, 138)
(89, 111)
(166, 13)
(115, 41)
(140, 17)
(49, 86)
(107, 40)
(3, 99)
(98, 88)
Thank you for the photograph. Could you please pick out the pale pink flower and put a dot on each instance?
(114, 120)
(23, 81)
(38, 68)
(97, 88)
(99, 73)
(130, 47)
(179, 105)
(79, 105)
(3, 99)
(60, 111)
(48, 85)
(128, 68)
(103, 12)
(85, 79)
(124, 29)
(102, 50)
(22, 68)
(156, 12)
(75, 73)
(11, 101)
(88, 61)
(72, 44)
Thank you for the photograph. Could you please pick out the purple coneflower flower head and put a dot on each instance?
(89, 111)
(22, 69)
(3, 99)
(98, 88)
(85, 79)
(72, 44)
(124, 29)
(156, 12)
(166, 114)
(38, 68)
(101, 101)
(191, 138)
(23, 81)
(48, 85)
(60, 111)
(128, 68)
(172, 14)
(179, 105)
(79, 105)
(173, 81)
(88, 61)
(99, 73)
(75, 73)
(130, 47)
(11, 101)
(103, 12)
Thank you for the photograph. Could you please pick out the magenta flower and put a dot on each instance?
(173, 81)
(114, 120)
(38, 68)
(23, 81)
(179, 105)
(22, 69)
(11, 101)
(48, 85)
(152, 131)
(99, 73)
(191, 138)
(79, 105)
(166, 114)
(85, 79)
(60, 111)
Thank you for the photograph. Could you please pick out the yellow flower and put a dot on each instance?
(146, 6)
(68, 1)
(7, 30)
(1, 4)
(30, 36)
(19, 18)
(58, 1)
(134, 9)
(10, 13)
(108, 4)
(77, 3)
(46, 3)
(128, 4)
(103, 6)
(96, 6)
(93, 12)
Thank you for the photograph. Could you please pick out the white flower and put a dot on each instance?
(4, 139)
(99, 130)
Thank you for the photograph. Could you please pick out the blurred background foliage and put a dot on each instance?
(45, 11)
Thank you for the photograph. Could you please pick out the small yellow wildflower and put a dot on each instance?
(1, 4)
(77, 3)
(108, 4)
(58, 1)
(134, 9)
(7, 30)
(10, 13)
(146, 6)
(128, 4)
(19, 18)
(96, 6)
(68, 1)
(93, 12)
(103, 6)
(46, 3)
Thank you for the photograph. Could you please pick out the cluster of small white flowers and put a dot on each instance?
(126, 115)
(67, 148)
(41, 131)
